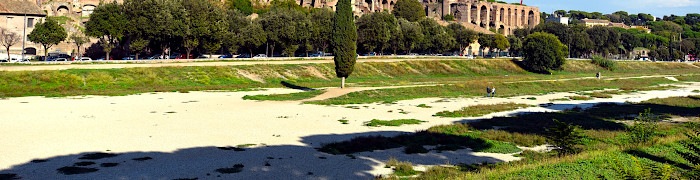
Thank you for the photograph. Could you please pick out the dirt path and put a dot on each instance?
(68, 65)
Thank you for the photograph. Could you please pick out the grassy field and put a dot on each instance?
(479, 110)
(169, 79)
(607, 151)
(477, 88)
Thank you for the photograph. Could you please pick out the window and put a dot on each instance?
(30, 22)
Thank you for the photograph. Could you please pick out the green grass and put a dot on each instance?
(606, 151)
(343, 121)
(604, 63)
(170, 79)
(584, 98)
(285, 97)
(398, 122)
(480, 110)
(599, 95)
(472, 89)
(424, 106)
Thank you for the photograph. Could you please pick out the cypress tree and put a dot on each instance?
(344, 41)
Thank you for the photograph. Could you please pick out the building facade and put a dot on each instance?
(20, 16)
(504, 18)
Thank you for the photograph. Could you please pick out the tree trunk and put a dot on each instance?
(251, 51)
(46, 53)
(342, 82)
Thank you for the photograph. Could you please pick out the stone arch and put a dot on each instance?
(474, 11)
(510, 17)
(523, 21)
(531, 18)
(457, 14)
(62, 10)
(502, 15)
(484, 13)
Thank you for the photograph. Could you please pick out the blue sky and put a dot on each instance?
(657, 8)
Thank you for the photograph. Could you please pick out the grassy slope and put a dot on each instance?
(138, 80)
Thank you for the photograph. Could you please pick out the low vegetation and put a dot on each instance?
(398, 122)
(479, 110)
(601, 135)
(604, 63)
(286, 97)
(170, 79)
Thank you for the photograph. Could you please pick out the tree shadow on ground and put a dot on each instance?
(293, 86)
(256, 162)
(658, 159)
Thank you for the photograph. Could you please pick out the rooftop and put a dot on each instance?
(20, 7)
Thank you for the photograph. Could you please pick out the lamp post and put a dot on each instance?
(24, 34)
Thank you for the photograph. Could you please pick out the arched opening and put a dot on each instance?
(385, 4)
(457, 14)
(531, 19)
(510, 17)
(62, 10)
(391, 6)
(474, 11)
(502, 15)
(502, 30)
(30, 51)
(523, 22)
(515, 18)
(484, 16)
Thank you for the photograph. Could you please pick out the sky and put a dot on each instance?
(657, 8)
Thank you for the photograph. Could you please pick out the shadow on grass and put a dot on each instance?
(646, 155)
(293, 86)
(208, 162)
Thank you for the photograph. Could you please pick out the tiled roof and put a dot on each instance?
(20, 7)
(595, 21)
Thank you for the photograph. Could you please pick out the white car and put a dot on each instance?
(260, 56)
(85, 59)
(469, 57)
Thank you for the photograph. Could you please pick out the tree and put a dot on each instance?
(8, 39)
(285, 27)
(244, 6)
(374, 30)
(237, 22)
(207, 28)
(79, 39)
(138, 45)
(344, 41)
(252, 36)
(486, 41)
(436, 37)
(463, 36)
(565, 136)
(410, 10)
(107, 23)
(543, 52)
(47, 34)
(516, 45)
(500, 43)
(412, 34)
(581, 44)
(321, 27)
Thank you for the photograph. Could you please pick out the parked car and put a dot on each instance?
(84, 59)
(129, 58)
(260, 56)
(155, 57)
(317, 54)
(60, 59)
(243, 56)
(469, 57)
(226, 56)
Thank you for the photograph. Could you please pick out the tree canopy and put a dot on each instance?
(542, 52)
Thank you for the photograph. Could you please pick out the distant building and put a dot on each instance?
(555, 18)
(13, 15)
(594, 22)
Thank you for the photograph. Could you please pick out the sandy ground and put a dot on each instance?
(187, 135)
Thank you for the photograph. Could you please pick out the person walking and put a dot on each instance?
(597, 75)
(488, 91)
(493, 91)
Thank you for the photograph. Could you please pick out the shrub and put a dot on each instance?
(415, 149)
(692, 148)
(543, 52)
(644, 128)
(608, 64)
(565, 136)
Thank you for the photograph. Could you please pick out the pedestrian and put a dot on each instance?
(597, 75)
(493, 91)
(488, 91)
